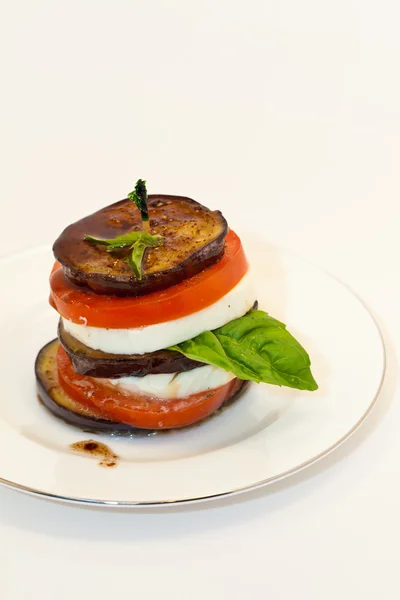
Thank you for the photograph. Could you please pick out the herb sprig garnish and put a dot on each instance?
(139, 197)
(136, 241)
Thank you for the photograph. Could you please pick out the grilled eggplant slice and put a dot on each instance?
(53, 397)
(193, 240)
(96, 363)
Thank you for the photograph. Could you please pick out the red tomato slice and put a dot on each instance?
(136, 410)
(180, 300)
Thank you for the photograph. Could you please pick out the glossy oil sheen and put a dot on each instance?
(193, 240)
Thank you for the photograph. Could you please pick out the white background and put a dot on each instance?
(286, 116)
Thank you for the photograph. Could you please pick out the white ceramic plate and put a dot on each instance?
(268, 434)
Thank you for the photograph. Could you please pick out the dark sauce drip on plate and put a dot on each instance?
(93, 448)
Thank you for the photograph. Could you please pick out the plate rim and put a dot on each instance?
(80, 501)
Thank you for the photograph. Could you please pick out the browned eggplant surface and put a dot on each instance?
(193, 240)
(96, 363)
(61, 404)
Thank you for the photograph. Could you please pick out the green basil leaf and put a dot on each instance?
(146, 240)
(255, 347)
(122, 241)
(151, 241)
(135, 259)
(138, 241)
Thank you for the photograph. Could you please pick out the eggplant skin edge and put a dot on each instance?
(74, 253)
(46, 391)
(95, 363)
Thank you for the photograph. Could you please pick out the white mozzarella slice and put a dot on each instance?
(174, 385)
(140, 340)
